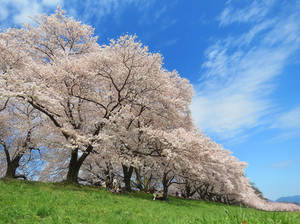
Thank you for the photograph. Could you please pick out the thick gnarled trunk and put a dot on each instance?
(166, 182)
(75, 165)
(127, 172)
(12, 167)
(165, 187)
(73, 171)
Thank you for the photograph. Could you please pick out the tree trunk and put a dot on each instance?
(109, 175)
(166, 184)
(11, 170)
(139, 180)
(147, 182)
(165, 192)
(75, 164)
(73, 171)
(12, 167)
(127, 172)
(188, 190)
(142, 182)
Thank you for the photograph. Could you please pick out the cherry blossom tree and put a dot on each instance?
(33, 54)
(79, 85)
(19, 137)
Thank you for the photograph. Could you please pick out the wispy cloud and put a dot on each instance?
(16, 12)
(167, 22)
(3, 13)
(233, 94)
(288, 123)
(91, 10)
(256, 11)
(282, 164)
(170, 42)
(160, 12)
(288, 120)
(52, 3)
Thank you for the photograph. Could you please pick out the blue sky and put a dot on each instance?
(243, 58)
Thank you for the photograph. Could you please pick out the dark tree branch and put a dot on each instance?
(5, 105)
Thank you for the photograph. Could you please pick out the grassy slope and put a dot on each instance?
(33, 202)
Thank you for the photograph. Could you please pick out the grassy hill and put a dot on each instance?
(34, 202)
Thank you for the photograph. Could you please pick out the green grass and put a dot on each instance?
(34, 202)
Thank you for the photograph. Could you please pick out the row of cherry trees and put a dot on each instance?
(95, 113)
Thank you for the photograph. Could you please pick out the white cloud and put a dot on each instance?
(52, 2)
(255, 31)
(282, 164)
(28, 10)
(288, 120)
(160, 12)
(3, 13)
(22, 10)
(166, 23)
(170, 42)
(97, 10)
(256, 11)
(233, 95)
